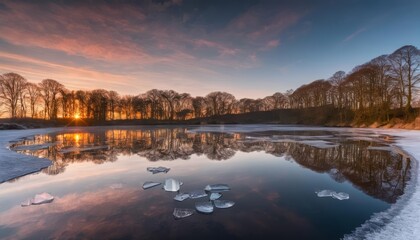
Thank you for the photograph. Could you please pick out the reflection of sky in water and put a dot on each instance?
(275, 198)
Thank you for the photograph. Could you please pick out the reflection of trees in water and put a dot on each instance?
(378, 173)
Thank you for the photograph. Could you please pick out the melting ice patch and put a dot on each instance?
(148, 185)
(197, 194)
(181, 197)
(214, 196)
(39, 199)
(333, 194)
(340, 196)
(204, 207)
(324, 193)
(171, 185)
(217, 188)
(182, 212)
(223, 203)
(155, 170)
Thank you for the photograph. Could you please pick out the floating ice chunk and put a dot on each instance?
(42, 198)
(182, 213)
(116, 186)
(34, 147)
(340, 196)
(197, 194)
(171, 185)
(155, 170)
(26, 203)
(325, 193)
(335, 195)
(214, 196)
(82, 149)
(181, 197)
(38, 199)
(147, 185)
(204, 207)
(223, 203)
(217, 188)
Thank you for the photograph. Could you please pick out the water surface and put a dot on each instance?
(97, 176)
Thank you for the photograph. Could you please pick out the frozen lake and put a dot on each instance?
(276, 176)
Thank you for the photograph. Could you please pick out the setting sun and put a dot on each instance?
(76, 116)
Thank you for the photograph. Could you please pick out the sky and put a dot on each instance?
(249, 48)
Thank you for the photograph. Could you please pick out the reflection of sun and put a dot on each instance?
(76, 139)
(76, 116)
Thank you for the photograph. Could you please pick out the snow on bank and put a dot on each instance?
(401, 221)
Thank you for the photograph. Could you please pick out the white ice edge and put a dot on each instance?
(398, 222)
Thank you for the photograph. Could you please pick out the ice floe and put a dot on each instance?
(147, 185)
(333, 194)
(223, 203)
(215, 195)
(340, 196)
(217, 188)
(324, 193)
(204, 207)
(197, 194)
(181, 197)
(155, 170)
(39, 199)
(171, 185)
(182, 212)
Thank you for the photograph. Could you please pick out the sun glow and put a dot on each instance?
(76, 116)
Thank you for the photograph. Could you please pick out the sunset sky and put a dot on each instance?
(248, 48)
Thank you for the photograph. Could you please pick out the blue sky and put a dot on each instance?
(248, 48)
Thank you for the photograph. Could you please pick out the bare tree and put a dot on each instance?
(12, 85)
(50, 89)
(406, 70)
(34, 95)
(113, 101)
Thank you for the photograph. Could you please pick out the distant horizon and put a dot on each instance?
(247, 48)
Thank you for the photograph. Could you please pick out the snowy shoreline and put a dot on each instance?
(398, 222)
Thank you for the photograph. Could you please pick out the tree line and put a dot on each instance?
(371, 90)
